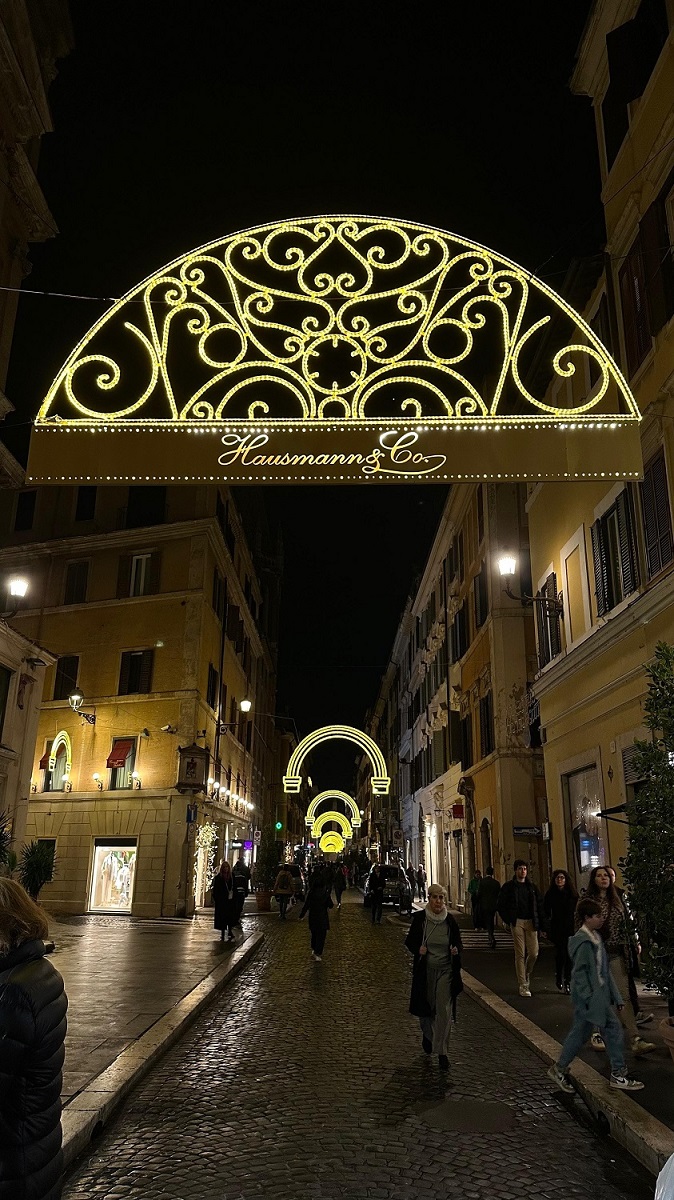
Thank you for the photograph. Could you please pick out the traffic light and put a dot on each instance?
(279, 824)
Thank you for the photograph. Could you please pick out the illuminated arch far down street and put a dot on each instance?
(380, 781)
(337, 349)
(335, 818)
(326, 797)
(332, 843)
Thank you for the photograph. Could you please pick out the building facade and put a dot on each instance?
(608, 549)
(163, 625)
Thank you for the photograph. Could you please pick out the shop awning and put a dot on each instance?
(120, 752)
(44, 761)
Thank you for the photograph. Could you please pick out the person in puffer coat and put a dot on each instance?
(33, 1009)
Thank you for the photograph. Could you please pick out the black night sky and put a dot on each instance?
(179, 123)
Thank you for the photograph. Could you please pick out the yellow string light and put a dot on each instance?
(380, 781)
(332, 843)
(332, 794)
(332, 817)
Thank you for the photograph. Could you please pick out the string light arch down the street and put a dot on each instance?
(332, 817)
(332, 843)
(336, 349)
(380, 781)
(333, 794)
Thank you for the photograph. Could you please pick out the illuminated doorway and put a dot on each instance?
(113, 875)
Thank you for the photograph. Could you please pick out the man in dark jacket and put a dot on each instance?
(520, 906)
(487, 898)
(241, 877)
(376, 893)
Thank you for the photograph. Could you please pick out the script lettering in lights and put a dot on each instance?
(337, 349)
(380, 780)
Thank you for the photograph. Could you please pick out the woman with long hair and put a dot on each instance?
(619, 939)
(559, 906)
(33, 1009)
(222, 889)
(317, 903)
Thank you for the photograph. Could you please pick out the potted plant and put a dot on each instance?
(266, 868)
(648, 868)
(36, 866)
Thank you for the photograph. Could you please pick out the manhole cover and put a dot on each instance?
(470, 1116)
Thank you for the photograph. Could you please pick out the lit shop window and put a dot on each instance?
(113, 875)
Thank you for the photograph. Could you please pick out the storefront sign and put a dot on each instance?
(530, 831)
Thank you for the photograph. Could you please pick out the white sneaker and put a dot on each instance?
(639, 1046)
(560, 1078)
(625, 1084)
(524, 991)
(597, 1042)
(318, 958)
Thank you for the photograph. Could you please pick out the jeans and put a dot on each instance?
(580, 1032)
(376, 906)
(525, 940)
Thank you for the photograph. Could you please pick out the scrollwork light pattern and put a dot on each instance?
(338, 318)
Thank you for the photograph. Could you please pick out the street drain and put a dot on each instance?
(470, 1116)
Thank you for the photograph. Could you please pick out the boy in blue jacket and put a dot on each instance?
(593, 993)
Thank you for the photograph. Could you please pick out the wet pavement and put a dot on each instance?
(307, 1079)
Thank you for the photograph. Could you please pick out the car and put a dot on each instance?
(397, 890)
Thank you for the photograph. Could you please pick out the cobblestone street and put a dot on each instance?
(308, 1080)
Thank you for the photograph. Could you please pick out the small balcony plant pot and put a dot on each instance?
(666, 1028)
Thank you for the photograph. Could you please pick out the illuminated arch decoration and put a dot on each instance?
(332, 817)
(334, 349)
(61, 739)
(332, 843)
(292, 782)
(332, 794)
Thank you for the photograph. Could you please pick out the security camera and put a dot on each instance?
(169, 729)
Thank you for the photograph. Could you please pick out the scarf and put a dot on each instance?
(437, 918)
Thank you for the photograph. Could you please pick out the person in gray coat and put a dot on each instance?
(593, 993)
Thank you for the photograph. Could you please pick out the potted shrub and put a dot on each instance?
(36, 867)
(266, 868)
(649, 865)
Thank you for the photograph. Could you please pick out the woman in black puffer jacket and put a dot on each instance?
(33, 1008)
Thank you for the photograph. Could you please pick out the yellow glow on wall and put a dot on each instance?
(332, 794)
(332, 843)
(328, 818)
(292, 782)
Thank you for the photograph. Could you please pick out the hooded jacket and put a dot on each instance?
(32, 1031)
(591, 999)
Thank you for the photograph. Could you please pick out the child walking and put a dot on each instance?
(593, 993)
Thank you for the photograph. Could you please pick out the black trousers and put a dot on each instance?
(562, 962)
(239, 898)
(376, 906)
(489, 918)
(283, 902)
(318, 937)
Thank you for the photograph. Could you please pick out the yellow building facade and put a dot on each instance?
(608, 549)
(162, 625)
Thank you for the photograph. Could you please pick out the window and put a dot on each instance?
(466, 742)
(135, 674)
(66, 676)
(616, 571)
(55, 777)
(633, 50)
(77, 577)
(480, 512)
(486, 725)
(219, 600)
(481, 596)
(212, 686)
(85, 506)
(459, 634)
(548, 624)
(656, 516)
(146, 506)
(25, 511)
(5, 680)
(121, 762)
(223, 702)
(632, 279)
(138, 574)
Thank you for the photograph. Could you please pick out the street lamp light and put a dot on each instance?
(246, 705)
(17, 587)
(507, 564)
(76, 700)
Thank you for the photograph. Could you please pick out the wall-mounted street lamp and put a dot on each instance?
(136, 780)
(76, 700)
(507, 565)
(98, 781)
(16, 591)
(246, 705)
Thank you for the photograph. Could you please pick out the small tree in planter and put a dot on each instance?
(266, 868)
(649, 866)
(36, 867)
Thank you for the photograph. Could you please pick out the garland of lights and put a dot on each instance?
(337, 817)
(380, 781)
(332, 843)
(332, 794)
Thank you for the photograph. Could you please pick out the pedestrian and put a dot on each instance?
(620, 942)
(488, 895)
(224, 899)
(520, 906)
(327, 873)
(435, 941)
(317, 903)
(594, 991)
(412, 876)
(559, 906)
(283, 890)
(473, 892)
(241, 876)
(33, 1008)
(421, 881)
(339, 884)
(642, 1018)
(376, 890)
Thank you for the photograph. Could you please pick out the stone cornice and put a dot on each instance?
(38, 220)
(27, 103)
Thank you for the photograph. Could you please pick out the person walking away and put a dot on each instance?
(421, 881)
(488, 894)
(559, 906)
(641, 1017)
(340, 884)
(283, 890)
(520, 906)
(376, 893)
(473, 892)
(317, 903)
(241, 876)
(620, 943)
(224, 899)
(33, 1008)
(412, 876)
(594, 991)
(435, 941)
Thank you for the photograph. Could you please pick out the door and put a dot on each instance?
(587, 847)
(113, 876)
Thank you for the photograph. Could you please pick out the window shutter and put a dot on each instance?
(542, 633)
(656, 516)
(629, 769)
(657, 266)
(153, 574)
(124, 669)
(554, 632)
(628, 557)
(77, 574)
(600, 572)
(146, 671)
(634, 307)
(66, 676)
(124, 575)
